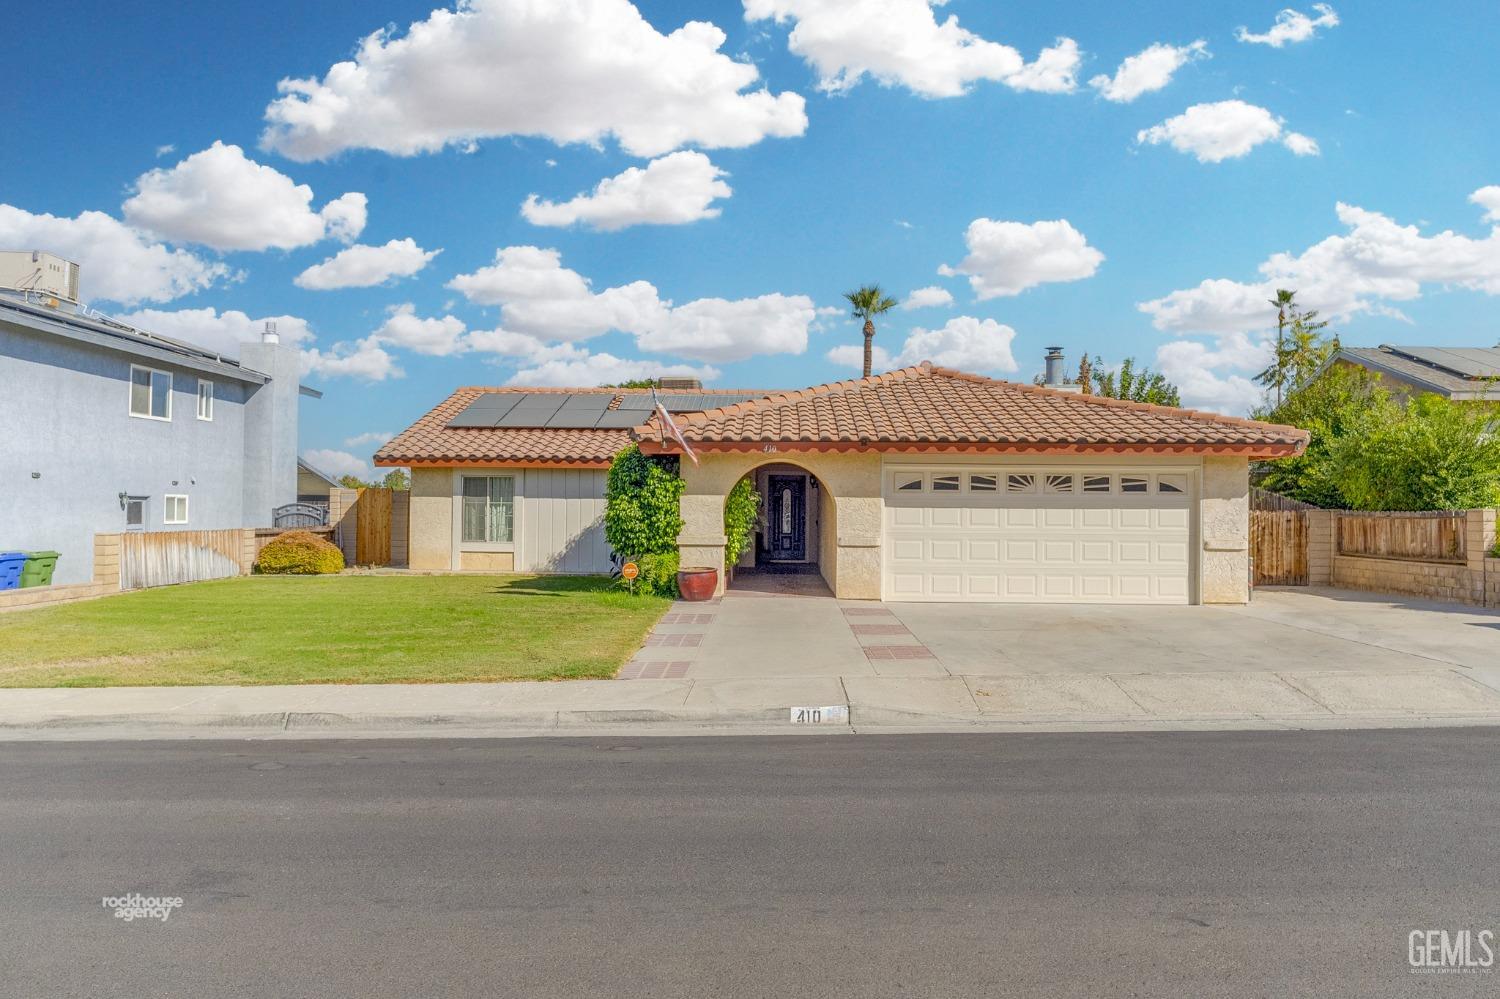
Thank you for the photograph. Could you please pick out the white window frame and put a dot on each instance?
(460, 545)
(167, 502)
(909, 482)
(206, 413)
(150, 393)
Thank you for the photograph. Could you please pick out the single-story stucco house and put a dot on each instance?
(919, 484)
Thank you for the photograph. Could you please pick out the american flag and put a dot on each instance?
(671, 426)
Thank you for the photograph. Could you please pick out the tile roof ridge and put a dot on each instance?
(1178, 412)
(797, 395)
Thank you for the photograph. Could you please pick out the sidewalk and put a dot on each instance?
(1302, 699)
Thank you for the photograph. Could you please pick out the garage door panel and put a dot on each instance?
(946, 550)
(1037, 547)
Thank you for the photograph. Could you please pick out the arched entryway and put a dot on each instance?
(792, 534)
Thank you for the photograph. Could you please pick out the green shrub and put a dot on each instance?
(658, 574)
(741, 510)
(299, 553)
(643, 516)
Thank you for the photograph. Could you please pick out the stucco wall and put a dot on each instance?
(431, 542)
(1225, 513)
(67, 414)
(853, 480)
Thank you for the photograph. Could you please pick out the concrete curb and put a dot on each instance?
(648, 722)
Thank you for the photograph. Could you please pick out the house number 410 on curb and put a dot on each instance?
(833, 714)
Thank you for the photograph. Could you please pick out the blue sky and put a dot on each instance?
(996, 154)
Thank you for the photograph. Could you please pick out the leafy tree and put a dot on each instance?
(642, 509)
(1144, 385)
(1343, 401)
(1301, 347)
(1435, 455)
(352, 482)
(635, 383)
(1370, 451)
(866, 303)
(396, 479)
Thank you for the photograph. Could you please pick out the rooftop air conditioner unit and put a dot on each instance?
(40, 272)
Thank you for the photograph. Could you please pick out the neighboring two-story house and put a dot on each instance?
(110, 428)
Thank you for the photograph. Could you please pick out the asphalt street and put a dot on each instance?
(1182, 864)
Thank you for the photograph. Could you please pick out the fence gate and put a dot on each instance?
(1278, 544)
(372, 538)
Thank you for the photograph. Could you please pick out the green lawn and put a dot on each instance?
(331, 629)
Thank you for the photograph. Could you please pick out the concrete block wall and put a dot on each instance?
(1320, 547)
(1470, 582)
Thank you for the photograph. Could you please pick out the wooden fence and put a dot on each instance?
(1278, 547)
(1435, 536)
(161, 558)
(372, 525)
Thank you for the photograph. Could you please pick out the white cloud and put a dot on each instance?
(675, 189)
(1218, 378)
(434, 337)
(117, 263)
(219, 198)
(929, 297)
(1488, 198)
(1006, 258)
(1376, 263)
(542, 299)
(604, 369)
(1291, 26)
(166, 150)
(363, 266)
(339, 463)
(964, 342)
(570, 72)
(1148, 70)
(365, 359)
(852, 355)
(365, 440)
(900, 42)
(1224, 130)
(221, 332)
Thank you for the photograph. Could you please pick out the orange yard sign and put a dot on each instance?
(630, 570)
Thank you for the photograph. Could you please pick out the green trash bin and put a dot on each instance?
(38, 569)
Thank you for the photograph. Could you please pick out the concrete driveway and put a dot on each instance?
(761, 635)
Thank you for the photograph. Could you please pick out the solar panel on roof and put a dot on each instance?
(531, 414)
(618, 419)
(637, 403)
(484, 411)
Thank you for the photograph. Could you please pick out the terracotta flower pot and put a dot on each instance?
(697, 583)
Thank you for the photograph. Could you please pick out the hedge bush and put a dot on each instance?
(299, 553)
(642, 517)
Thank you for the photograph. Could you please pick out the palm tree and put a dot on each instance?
(1285, 302)
(866, 303)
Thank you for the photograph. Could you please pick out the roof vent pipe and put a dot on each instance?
(270, 335)
(1055, 374)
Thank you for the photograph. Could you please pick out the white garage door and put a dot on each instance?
(1037, 535)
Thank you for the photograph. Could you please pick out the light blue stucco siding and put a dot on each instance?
(70, 448)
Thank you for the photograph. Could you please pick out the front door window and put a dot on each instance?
(788, 541)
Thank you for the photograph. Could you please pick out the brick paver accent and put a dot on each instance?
(868, 612)
(885, 653)
(674, 641)
(679, 618)
(646, 670)
(879, 629)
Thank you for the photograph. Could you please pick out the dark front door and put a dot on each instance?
(787, 509)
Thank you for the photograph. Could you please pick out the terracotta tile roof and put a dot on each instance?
(430, 441)
(931, 408)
